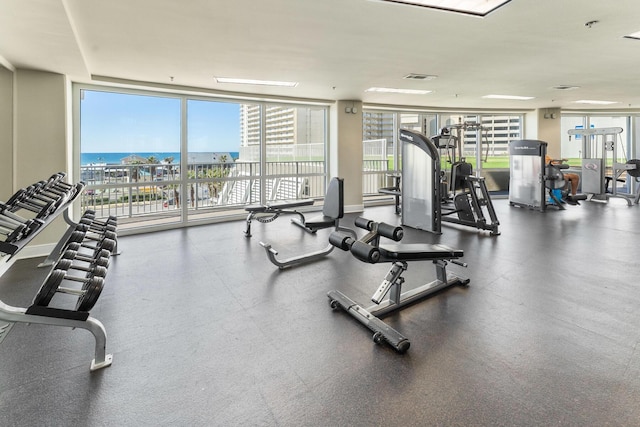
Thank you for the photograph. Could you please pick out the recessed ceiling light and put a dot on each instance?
(635, 36)
(590, 101)
(519, 98)
(255, 82)
(469, 7)
(393, 90)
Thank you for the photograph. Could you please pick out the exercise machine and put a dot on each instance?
(332, 212)
(272, 210)
(534, 183)
(601, 166)
(424, 196)
(389, 298)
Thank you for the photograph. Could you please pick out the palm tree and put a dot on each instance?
(152, 160)
(135, 171)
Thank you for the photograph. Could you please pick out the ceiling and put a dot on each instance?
(336, 49)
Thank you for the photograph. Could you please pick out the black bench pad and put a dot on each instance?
(278, 205)
(320, 222)
(419, 252)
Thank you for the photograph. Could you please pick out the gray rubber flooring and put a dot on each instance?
(205, 331)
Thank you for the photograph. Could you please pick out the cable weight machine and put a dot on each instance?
(600, 165)
(424, 191)
(465, 199)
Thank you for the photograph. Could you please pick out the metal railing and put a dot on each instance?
(375, 174)
(148, 192)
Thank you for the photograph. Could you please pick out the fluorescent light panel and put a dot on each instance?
(518, 98)
(394, 90)
(594, 102)
(469, 7)
(255, 82)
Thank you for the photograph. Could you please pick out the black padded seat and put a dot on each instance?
(333, 208)
(418, 252)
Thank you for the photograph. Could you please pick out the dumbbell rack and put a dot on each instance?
(40, 312)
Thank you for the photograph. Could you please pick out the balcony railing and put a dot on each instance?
(150, 192)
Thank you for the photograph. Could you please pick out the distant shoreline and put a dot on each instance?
(87, 159)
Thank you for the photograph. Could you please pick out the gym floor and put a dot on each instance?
(205, 331)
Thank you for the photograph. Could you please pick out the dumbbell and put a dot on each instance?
(96, 269)
(89, 214)
(107, 241)
(13, 234)
(56, 182)
(99, 226)
(49, 190)
(100, 257)
(20, 200)
(73, 251)
(88, 295)
(11, 220)
(42, 193)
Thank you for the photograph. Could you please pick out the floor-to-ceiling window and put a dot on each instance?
(481, 140)
(129, 153)
(154, 159)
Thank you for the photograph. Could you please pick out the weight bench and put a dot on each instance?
(368, 249)
(272, 210)
(332, 211)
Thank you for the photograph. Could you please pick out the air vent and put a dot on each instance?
(565, 87)
(414, 76)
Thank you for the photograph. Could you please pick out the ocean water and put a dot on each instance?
(116, 158)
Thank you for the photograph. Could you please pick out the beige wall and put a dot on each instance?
(345, 155)
(546, 129)
(40, 137)
(6, 133)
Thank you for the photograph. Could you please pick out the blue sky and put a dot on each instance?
(124, 123)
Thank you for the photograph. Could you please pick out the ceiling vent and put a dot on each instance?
(565, 87)
(414, 76)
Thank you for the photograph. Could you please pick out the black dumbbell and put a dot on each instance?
(74, 248)
(108, 241)
(98, 226)
(50, 191)
(7, 217)
(20, 200)
(102, 258)
(44, 194)
(95, 269)
(88, 295)
(92, 215)
(13, 234)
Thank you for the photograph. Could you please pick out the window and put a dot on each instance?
(126, 141)
(484, 143)
(154, 159)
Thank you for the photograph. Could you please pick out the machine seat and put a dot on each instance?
(418, 252)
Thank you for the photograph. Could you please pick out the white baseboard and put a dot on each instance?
(354, 208)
